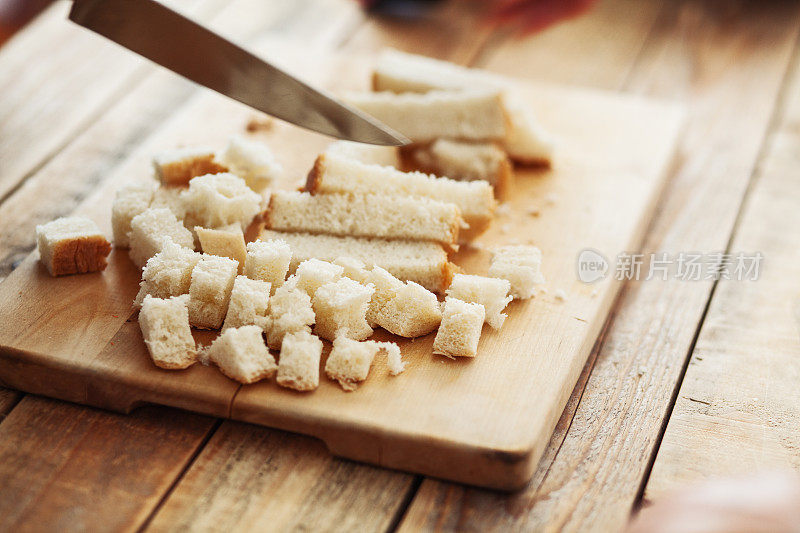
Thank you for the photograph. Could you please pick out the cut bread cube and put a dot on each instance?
(210, 291)
(72, 245)
(168, 273)
(216, 200)
(521, 266)
(166, 332)
(460, 330)
(526, 142)
(464, 114)
(352, 268)
(366, 153)
(466, 161)
(394, 359)
(252, 161)
(240, 354)
(413, 311)
(312, 274)
(148, 230)
(170, 198)
(364, 215)
(341, 310)
(349, 361)
(129, 201)
(227, 241)
(492, 293)
(298, 367)
(177, 167)
(248, 304)
(386, 288)
(339, 174)
(268, 260)
(290, 311)
(418, 261)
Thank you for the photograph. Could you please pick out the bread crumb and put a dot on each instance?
(503, 209)
(560, 295)
(256, 124)
(533, 212)
(595, 292)
(505, 228)
(551, 199)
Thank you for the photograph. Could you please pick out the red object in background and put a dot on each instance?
(526, 15)
(14, 14)
(535, 15)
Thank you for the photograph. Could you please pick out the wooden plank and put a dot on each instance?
(248, 478)
(51, 91)
(597, 49)
(739, 404)
(599, 467)
(69, 468)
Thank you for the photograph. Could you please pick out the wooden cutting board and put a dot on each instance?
(484, 421)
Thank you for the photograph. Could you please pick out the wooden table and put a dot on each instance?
(688, 380)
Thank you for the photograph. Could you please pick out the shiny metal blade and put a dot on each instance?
(173, 41)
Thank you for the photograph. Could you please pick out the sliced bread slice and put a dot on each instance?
(365, 215)
(334, 173)
(465, 161)
(418, 261)
(475, 114)
(527, 142)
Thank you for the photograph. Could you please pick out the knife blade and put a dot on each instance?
(171, 40)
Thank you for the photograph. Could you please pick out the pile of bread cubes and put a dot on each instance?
(364, 244)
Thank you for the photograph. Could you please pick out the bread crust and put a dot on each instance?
(179, 173)
(80, 255)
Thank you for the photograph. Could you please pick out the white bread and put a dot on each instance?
(418, 261)
(268, 260)
(177, 167)
(460, 330)
(240, 354)
(491, 293)
(386, 287)
(394, 359)
(170, 197)
(298, 367)
(412, 312)
(210, 291)
(227, 241)
(349, 361)
(290, 311)
(520, 265)
(312, 274)
(216, 200)
(352, 268)
(364, 215)
(366, 153)
(401, 72)
(470, 114)
(166, 332)
(341, 310)
(466, 161)
(339, 174)
(148, 230)
(72, 245)
(252, 161)
(248, 304)
(168, 273)
(129, 201)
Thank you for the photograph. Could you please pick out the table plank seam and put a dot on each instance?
(184, 469)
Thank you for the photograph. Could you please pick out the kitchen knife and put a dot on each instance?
(173, 41)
